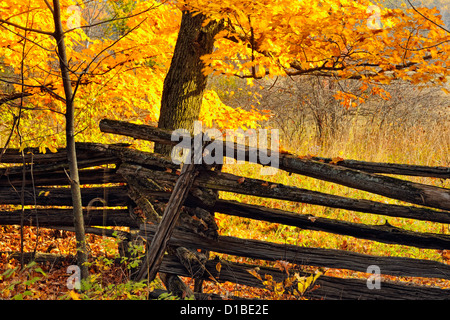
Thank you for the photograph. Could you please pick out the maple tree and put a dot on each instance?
(121, 74)
(126, 59)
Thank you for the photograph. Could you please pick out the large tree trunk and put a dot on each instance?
(184, 86)
(185, 82)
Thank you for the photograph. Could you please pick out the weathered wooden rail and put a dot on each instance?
(131, 178)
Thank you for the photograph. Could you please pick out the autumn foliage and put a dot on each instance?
(119, 53)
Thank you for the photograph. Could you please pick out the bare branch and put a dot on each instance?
(37, 109)
(42, 87)
(49, 7)
(48, 33)
(105, 49)
(436, 24)
(115, 18)
(27, 39)
(13, 96)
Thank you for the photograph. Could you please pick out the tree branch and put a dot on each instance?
(97, 55)
(42, 87)
(27, 39)
(49, 7)
(323, 70)
(115, 19)
(48, 33)
(13, 96)
(438, 25)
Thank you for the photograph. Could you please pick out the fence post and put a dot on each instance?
(155, 252)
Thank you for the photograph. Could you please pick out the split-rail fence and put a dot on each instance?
(126, 187)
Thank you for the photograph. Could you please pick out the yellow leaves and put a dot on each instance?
(260, 71)
(311, 32)
(127, 77)
(305, 282)
(295, 283)
(124, 81)
(277, 287)
(215, 112)
(285, 60)
(364, 87)
(74, 295)
(336, 52)
(44, 193)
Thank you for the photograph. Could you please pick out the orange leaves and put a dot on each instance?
(335, 160)
(74, 295)
(283, 265)
(241, 180)
(445, 254)
(307, 157)
(44, 193)
(385, 95)
(255, 272)
(281, 150)
(218, 267)
(348, 100)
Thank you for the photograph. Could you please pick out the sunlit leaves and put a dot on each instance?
(121, 65)
(293, 283)
(332, 38)
(215, 112)
(113, 76)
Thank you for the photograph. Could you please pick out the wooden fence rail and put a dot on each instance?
(141, 178)
(387, 186)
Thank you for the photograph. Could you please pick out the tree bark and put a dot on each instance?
(49, 178)
(70, 143)
(385, 233)
(63, 218)
(421, 194)
(185, 82)
(32, 155)
(391, 168)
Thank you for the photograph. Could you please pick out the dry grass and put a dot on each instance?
(421, 145)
